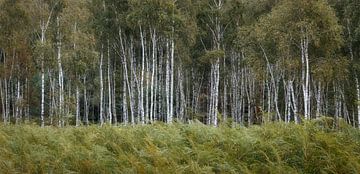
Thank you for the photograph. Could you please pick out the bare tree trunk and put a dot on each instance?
(42, 110)
(167, 83)
(43, 27)
(77, 106)
(2, 101)
(61, 76)
(152, 90)
(114, 96)
(182, 95)
(86, 106)
(141, 96)
(125, 107)
(294, 102)
(358, 99)
(101, 87)
(172, 50)
(274, 84)
(134, 80)
(17, 102)
(305, 73)
(126, 78)
(109, 87)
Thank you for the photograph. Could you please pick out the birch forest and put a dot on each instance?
(180, 86)
(69, 62)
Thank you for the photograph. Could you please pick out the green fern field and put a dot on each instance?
(313, 147)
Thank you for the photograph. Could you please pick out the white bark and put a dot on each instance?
(171, 112)
(78, 122)
(101, 86)
(167, 83)
(141, 98)
(358, 99)
(294, 102)
(133, 81)
(305, 73)
(152, 92)
(61, 76)
(109, 87)
(2, 101)
(182, 95)
(273, 82)
(126, 78)
(43, 26)
(86, 106)
(125, 107)
(42, 110)
(114, 97)
(17, 102)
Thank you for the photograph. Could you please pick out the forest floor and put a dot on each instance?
(313, 147)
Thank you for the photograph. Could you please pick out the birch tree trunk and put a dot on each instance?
(2, 101)
(356, 77)
(61, 76)
(109, 87)
(126, 78)
(77, 106)
(86, 106)
(42, 110)
(141, 98)
(125, 107)
(358, 99)
(294, 102)
(101, 86)
(182, 95)
(17, 102)
(167, 82)
(305, 73)
(114, 95)
(152, 89)
(170, 120)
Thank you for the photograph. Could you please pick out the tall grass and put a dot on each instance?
(195, 148)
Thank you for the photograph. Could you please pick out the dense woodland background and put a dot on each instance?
(71, 62)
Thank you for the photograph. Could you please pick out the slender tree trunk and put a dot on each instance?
(167, 83)
(305, 73)
(86, 106)
(2, 101)
(294, 102)
(126, 78)
(133, 81)
(358, 99)
(141, 98)
(182, 95)
(114, 96)
(101, 86)
(273, 82)
(147, 102)
(318, 100)
(152, 90)
(42, 110)
(17, 102)
(172, 51)
(61, 76)
(125, 107)
(78, 122)
(110, 116)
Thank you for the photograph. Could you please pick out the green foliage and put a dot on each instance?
(314, 147)
(212, 56)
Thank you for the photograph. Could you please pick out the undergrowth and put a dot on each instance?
(195, 148)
